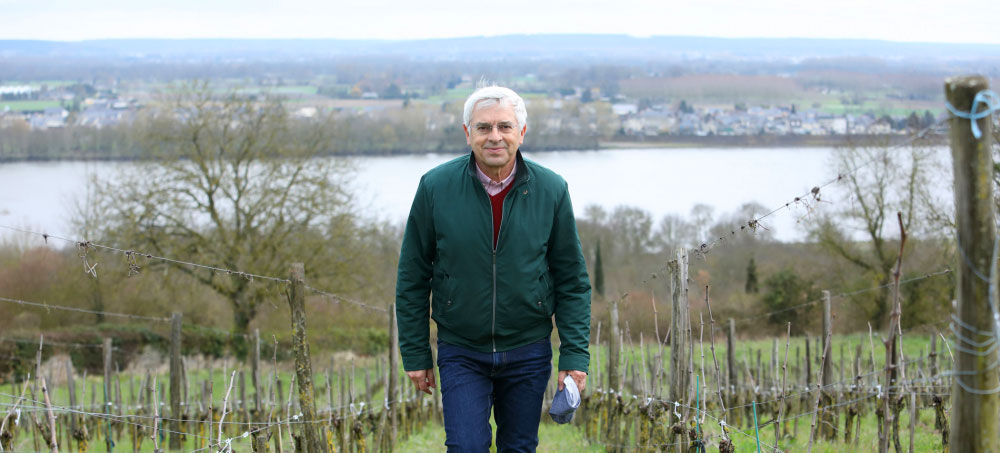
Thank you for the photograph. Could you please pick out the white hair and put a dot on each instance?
(487, 95)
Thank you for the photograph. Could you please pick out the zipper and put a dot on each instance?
(503, 216)
(493, 327)
(489, 204)
(493, 332)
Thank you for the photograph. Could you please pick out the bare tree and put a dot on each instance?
(234, 181)
(879, 181)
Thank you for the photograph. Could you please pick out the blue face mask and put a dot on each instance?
(565, 402)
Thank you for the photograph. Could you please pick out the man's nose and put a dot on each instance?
(494, 135)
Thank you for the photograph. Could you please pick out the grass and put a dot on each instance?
(39, 83)
(551, 438)
(560, 437)
(27, 106)
(454, 94)
(914, 346)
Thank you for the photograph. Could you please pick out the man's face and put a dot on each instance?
(494, 136)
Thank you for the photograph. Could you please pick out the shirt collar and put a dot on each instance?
(492, 187)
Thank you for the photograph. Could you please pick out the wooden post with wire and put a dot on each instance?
(107, 393)
(303, 368)
(614, 402)
(975, 398)
(680, 325)
(828, 427)
(255, 375)
(175, 381)
(392, 398)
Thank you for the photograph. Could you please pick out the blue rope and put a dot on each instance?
(989, 99)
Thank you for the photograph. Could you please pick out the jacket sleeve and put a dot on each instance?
(413, 283)
(572, 288)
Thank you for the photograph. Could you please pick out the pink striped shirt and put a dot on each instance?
(492, 187)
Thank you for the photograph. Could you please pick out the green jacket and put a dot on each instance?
(486, 300)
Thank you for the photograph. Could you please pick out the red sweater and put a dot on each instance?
(497, 202)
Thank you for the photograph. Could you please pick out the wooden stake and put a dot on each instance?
(303, 367)
(975, 405)
(175, 381)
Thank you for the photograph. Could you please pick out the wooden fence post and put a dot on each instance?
(175, 381)
(975, 401)
(303, 368)
(679, 326)
(614, 401)
(828, 420)
(71, 386)
(614, 347)
(255, 374)
(391, 393)
(107, 393)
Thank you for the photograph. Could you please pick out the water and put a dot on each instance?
(43, 196)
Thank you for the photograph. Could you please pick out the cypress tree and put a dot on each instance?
(598, 270)
(751, 285)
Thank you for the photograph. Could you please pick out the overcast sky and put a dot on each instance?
(968, 21)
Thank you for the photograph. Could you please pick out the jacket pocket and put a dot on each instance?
(442, 293)
(544, 297)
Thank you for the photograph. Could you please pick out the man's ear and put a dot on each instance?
(468, 140)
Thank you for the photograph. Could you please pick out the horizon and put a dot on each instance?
(540, 34)
(903, 21)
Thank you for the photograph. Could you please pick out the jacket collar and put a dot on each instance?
(523, 175)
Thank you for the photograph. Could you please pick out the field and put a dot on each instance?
(27, 106)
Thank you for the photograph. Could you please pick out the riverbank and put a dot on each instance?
(678, 141)
(766, 141)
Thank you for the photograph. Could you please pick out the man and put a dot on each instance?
(492, 242)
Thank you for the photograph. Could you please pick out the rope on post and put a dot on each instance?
(989, 98)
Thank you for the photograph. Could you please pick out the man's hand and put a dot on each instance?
(424, 380)
(578, 376)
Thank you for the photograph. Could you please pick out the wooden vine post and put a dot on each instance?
(828, 418)
(303, 368)
(975, 401)
(175, 382)
(680, 325)
(392, 398)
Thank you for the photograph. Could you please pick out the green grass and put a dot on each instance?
(454, 94)
(39, 83)
(27, 106)
(295, 89)
(914, 346)
(551, 438)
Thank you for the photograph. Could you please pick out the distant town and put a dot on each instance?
(83, 100)
(42, 107)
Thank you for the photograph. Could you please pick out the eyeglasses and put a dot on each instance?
(486, 128)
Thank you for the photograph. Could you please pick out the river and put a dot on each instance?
(42, 195)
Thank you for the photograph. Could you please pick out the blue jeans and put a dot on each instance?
(511, 383)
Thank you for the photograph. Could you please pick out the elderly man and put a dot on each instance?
(491, 253)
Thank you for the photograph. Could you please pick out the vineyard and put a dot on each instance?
(703, 384)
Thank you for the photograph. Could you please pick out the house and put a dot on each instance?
(50, 118)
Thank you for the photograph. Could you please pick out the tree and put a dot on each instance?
(751, 284)
(233, 183)
(598, 270)
(913, 121)
(784, 297)
(879, 182)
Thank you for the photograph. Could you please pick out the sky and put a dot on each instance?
(959, 21)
